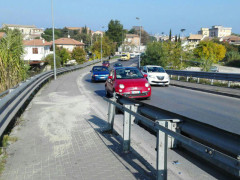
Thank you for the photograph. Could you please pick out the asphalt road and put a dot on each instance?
(216, 110)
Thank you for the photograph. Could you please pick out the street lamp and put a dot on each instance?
(101, 44)
(182, 30)
(54, 56)
(139, 60)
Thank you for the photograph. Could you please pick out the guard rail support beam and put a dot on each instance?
(126, 129)
(111, 114)
(162, 144)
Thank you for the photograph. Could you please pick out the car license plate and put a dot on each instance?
(135, 92)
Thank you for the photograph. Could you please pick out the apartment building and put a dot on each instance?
(216, 31)
(29, 31)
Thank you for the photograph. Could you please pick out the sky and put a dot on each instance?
(156, 16)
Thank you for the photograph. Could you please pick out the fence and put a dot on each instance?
(167, 136)
(230, 77)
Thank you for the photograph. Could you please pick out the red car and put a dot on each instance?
(106, 63)
(129, 82)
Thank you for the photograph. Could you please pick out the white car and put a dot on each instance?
(132, 55)
(156, 75)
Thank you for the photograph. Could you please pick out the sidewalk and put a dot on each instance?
(208, 88)
(57, 139)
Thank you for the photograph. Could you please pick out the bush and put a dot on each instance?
(233, 63)
(79, 55)
(49, 60)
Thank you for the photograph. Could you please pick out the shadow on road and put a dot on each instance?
(142, 169)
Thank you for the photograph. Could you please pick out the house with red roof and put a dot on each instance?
(36, 50)
(68, 43)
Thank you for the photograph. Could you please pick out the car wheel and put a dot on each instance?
(92, 80)
(148, 98)
(166, 85)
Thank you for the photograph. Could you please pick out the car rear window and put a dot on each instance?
(155, 69)
(100, 69)
(128, 73)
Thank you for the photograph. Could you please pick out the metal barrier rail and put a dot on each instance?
(11, 103)
(230, 77)
(166, 131)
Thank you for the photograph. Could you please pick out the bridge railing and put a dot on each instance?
(230, 77)
(13, 99)
(211, 144)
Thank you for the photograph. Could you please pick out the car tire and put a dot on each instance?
(92, 80)
(148, 98)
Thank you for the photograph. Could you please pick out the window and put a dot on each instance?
(35, 50)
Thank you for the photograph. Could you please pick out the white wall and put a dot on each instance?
(43, 51)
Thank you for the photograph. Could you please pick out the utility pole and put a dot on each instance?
(182, 30)
(101, 44)
(54, 56)
(139, 60)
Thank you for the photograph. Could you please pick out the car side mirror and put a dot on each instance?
(110, 77)
(145, 75)
(91, 71)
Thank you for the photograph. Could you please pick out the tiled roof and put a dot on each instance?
(17, 25)
(195, 36)
(2, 34)
(231, 38)
(36, 42)
(68, 41)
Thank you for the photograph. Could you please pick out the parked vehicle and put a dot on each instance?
(214, 69)
(125, 57)
(132, 55)
(106, 63)
(129, 82)
(117, 65)
(99, 73)
(156, 75)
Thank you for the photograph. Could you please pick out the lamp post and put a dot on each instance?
(101, 44)
(182, 30)
(54, 56)
(139, 60)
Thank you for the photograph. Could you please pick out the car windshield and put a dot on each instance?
(118, 64)
(155, 69)
(124, 55)
(105, 62)
(100, 69)
(128, 73)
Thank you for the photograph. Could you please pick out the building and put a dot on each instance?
(29, 31)
(220, 31)
(235, 40)
(98, 33)
(2, 34)
(204, 31)
(36, 50)
(68, 43)
(194, 40)
(132, 39)
(216, 31)
(80, 29)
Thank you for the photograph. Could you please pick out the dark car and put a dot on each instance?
(117, 65)
(106, 63)
(129, 82)
(99, 73)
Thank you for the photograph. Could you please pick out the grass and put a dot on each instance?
(3, 160)
(206, 81)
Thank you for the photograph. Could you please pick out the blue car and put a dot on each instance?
(99, 73)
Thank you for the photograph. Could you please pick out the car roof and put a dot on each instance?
(126, 67)
(100, 66)
(152, 66)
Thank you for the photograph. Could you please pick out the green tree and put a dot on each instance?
(108, 47)
(79, 55)
(170, 35)
(115, 31)
(12, 67)
(50, 60)
(64, 55)
(208, 53)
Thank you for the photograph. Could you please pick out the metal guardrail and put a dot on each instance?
(14, 99)
(230, 77)
(169, 134)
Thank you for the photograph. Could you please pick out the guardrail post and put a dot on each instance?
(178, 78)
(229, 83)
(111, 114)
(211, 81)
(198, 80)
(126, 129)
(134, 109)
(187, 78)
(172, 125)
(162, 152)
